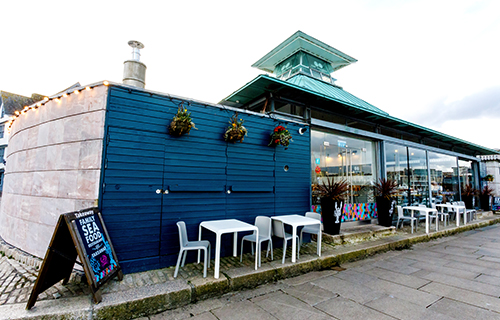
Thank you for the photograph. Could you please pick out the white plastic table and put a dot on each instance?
(426, 211)
(456, 208)
(220, 227)
(295, 221)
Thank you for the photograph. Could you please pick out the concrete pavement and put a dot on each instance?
(456, 277)
(151, 293)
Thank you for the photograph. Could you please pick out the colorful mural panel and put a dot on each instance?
(355, 212)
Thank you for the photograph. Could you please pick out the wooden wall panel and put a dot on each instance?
(197, 170)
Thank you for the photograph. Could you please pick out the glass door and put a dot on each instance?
(339, 158)
(355, 173)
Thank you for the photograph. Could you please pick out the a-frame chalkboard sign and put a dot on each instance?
(83, 234)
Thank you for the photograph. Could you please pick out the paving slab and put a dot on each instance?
(402, 279)
(484, 278)
(244, 310)
(415, 296)
(427, 268)
(70, 308)
(353, 291)
(458, 310)
(286, 307)
(309, 293)
(402, 309)
(308, 277)
(342, 308)
(396, 267)
(464, 296)
(469, 285)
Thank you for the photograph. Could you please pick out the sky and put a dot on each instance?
(434, 63)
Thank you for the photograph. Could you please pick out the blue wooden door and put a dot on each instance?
(133, 171)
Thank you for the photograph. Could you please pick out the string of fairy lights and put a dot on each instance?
(57, 98)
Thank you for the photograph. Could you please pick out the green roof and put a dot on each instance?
(300, 41)
(332, 92)
(324, 96)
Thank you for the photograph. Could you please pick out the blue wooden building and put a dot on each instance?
(151, 180)
(110, 142)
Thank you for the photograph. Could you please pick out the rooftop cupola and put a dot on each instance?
(303, 54)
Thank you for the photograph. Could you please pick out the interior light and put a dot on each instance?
(65, 95)
(396, 151)
(105, 83)
(46, 98)
(76, 92)
(39, 104)
(87, 88)
(17, 112)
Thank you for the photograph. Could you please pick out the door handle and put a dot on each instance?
(160, 191)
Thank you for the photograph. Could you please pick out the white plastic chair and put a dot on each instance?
(191, 245)
(444, 215)
(471, 213)
(264, 225)
(311, 229)
(419, 216)
(279, 231)
(402, 218)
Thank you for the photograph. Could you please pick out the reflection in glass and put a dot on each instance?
(465, 173)
(345, 158)
(396, 161)
(444, 179)
(419, 183)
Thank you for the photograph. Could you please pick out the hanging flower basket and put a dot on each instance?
(236, 131)
(280, 136)
(488, 178)
(181, 123)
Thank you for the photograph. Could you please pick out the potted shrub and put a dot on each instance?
(488, 177)
(385, 190)
(236, 131)
(331, 196)
(484, 197)
(468, 194)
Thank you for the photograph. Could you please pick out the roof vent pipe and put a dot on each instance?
(134, 71)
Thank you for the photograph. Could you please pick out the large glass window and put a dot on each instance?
(419, 182)
(465, 173)
(444, 179)
(396, 161)
(341, 157)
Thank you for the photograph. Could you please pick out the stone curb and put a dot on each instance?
(152, 299)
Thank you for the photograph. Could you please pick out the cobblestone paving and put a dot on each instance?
(17, 281)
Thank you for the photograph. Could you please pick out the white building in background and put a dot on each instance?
(490, 166)
(9, 104)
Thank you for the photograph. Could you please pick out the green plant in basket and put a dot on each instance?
(181, 123)
(236, 131)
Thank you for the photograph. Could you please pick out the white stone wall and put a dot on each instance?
(53, 167)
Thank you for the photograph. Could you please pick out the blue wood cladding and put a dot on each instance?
(198, 170)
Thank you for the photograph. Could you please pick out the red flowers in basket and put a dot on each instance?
(280, 136)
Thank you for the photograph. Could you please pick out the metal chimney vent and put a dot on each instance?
(134, 71)
(136, 49)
